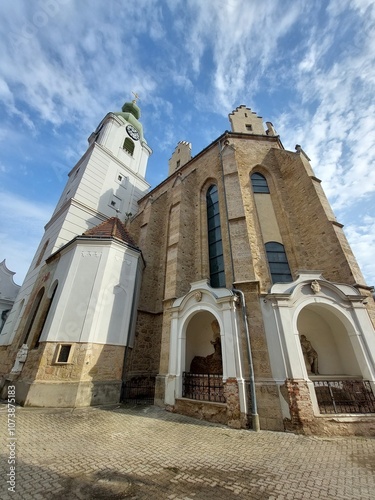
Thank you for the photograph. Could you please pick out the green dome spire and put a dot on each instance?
(131, 113)
(131, 107)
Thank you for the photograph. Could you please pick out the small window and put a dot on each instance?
(129, 146)
(245, 115)
(178, 164)
(278, 263)
(259, 183)
(115, 202)
(121, 179)
(249, 128)
(63, 353)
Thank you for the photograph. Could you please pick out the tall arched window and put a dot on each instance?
(259, 183)
(33, 313)
(215, 244)
(278, 263)
(38, 334)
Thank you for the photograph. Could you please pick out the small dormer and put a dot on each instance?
(244, 120)
(180, 156)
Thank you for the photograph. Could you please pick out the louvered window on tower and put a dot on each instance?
(278, 263)
(215, 244)
(259, 183)
(129, 146)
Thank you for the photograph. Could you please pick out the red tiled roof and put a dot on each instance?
(111, 228)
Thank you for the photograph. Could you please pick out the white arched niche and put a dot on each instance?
(330, 335)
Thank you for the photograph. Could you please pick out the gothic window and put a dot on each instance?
(129, 146)
(259, 183)
(34, 312)
(278, 263)
(215, 244)
(35, 344)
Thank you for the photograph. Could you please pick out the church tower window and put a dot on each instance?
(215, 244)
(278, 263)
(129, 146)
(259, 183)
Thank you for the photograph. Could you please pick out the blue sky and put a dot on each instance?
(307, 66)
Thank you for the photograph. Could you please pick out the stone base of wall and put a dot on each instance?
(341, 425)
(160, 391)
(269, 407)
(231, 393)
(304, 421)
(203, 410)
(65, 394)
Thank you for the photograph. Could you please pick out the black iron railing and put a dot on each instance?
(203, 387)
(139, 390)
(344, 396)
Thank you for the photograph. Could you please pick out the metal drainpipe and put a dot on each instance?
(254, 413)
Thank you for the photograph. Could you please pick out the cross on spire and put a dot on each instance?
(136, 96)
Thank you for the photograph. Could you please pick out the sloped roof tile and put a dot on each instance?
(111, 228)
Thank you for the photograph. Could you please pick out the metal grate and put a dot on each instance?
(139, 390)
(203, 387)
(344, 396)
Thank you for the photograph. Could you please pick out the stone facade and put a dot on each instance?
(171, 227)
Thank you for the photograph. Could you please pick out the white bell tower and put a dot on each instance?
(107, 181)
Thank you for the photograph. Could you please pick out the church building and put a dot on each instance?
(228, 292)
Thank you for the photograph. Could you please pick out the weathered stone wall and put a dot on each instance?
(87, 362)
(144, 357)
(270, 416)
(171, 229)
(6, 361)
(203, 410)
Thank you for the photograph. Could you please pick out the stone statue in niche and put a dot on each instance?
(20, 359)
(213, 362)
(310, 355)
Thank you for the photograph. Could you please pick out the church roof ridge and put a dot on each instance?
(111, 228)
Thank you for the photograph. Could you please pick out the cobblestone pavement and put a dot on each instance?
(148, 453)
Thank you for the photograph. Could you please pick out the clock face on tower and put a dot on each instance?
(133, 132)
